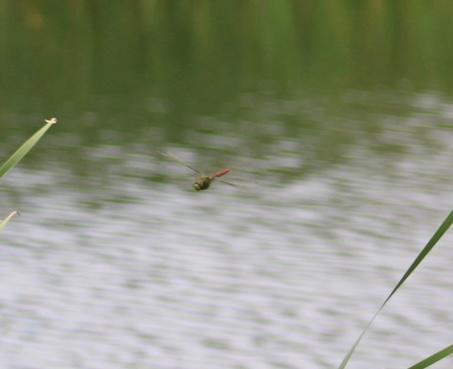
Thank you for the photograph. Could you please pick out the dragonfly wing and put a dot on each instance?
(228, 183)
(175, 158)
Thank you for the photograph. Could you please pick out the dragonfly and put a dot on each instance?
(202, 182)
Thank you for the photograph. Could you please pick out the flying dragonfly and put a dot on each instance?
(202, 181)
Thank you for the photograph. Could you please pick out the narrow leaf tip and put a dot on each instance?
(52, 120)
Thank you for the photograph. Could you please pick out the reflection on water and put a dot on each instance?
(117, 263)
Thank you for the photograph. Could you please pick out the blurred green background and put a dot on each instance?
(165, 64)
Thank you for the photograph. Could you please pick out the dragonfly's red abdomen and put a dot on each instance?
(221, 173)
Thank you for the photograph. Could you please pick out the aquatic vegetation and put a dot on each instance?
(5, 221)
(423, 253)
(433, 358)
(18, 155)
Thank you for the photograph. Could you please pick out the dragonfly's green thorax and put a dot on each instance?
(202, 183)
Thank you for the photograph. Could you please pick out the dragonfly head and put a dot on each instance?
(202, 183)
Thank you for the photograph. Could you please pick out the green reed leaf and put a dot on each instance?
(447, 351)
(26, 147)
(431, 243)
(5, 221)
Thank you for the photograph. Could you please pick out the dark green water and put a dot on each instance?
(336, 118)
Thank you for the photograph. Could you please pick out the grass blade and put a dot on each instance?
(433, 358)
(7, 219)
(428, 247)
(26, 147)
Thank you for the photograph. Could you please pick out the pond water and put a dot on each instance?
(116, 262)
